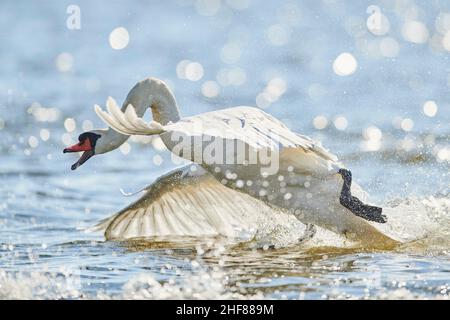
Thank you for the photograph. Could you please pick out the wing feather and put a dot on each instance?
(182, 203)
(107, 118)
(249, 125)
(260, 131)
(127, 122)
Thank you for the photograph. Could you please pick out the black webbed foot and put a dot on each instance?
(355, 205)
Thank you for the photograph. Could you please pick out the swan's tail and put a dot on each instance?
(127, 122)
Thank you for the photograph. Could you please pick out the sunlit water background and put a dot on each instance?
(387, 120)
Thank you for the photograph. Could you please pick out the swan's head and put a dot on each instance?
(88, 144)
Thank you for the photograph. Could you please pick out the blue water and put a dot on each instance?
(43, 205)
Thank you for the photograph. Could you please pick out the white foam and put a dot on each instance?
(201, 285)
(418, 219)
(39, 285)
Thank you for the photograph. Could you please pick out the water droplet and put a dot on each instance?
(430, 108)
(33, 142)
(407, 124)
(70, 124)
(194, 71)
(64, 62)
(345, 64)
(340, 123)
(320, 122)
(44, 134)
(210, 89)
(119, 38)
(158, 160)
(415, 32)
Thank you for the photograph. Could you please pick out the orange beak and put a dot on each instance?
(82, 146)
(85, 146)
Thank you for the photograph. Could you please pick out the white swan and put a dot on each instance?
(252, 154)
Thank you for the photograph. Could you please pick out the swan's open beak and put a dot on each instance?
(82, 146)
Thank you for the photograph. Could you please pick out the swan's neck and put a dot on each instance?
(155, 94)
(109, 141)
(149, 93)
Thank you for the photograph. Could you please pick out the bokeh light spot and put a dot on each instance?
(119, 38)
(345, 64)
(320, 122)
(64, 62)
(430, 108)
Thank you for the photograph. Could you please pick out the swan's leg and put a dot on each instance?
(355, 205)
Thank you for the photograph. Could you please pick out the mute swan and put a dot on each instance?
(307, 180)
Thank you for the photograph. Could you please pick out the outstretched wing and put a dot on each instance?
(252, 125)
(187, 203)
(261, 132)
(249, 125)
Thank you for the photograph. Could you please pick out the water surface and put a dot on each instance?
(374, 122)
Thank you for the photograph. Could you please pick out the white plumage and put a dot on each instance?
(306, 181)
(190, 202)
(251, 126)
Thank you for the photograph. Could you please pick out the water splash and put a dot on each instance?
(39, 285)
(201, 285)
